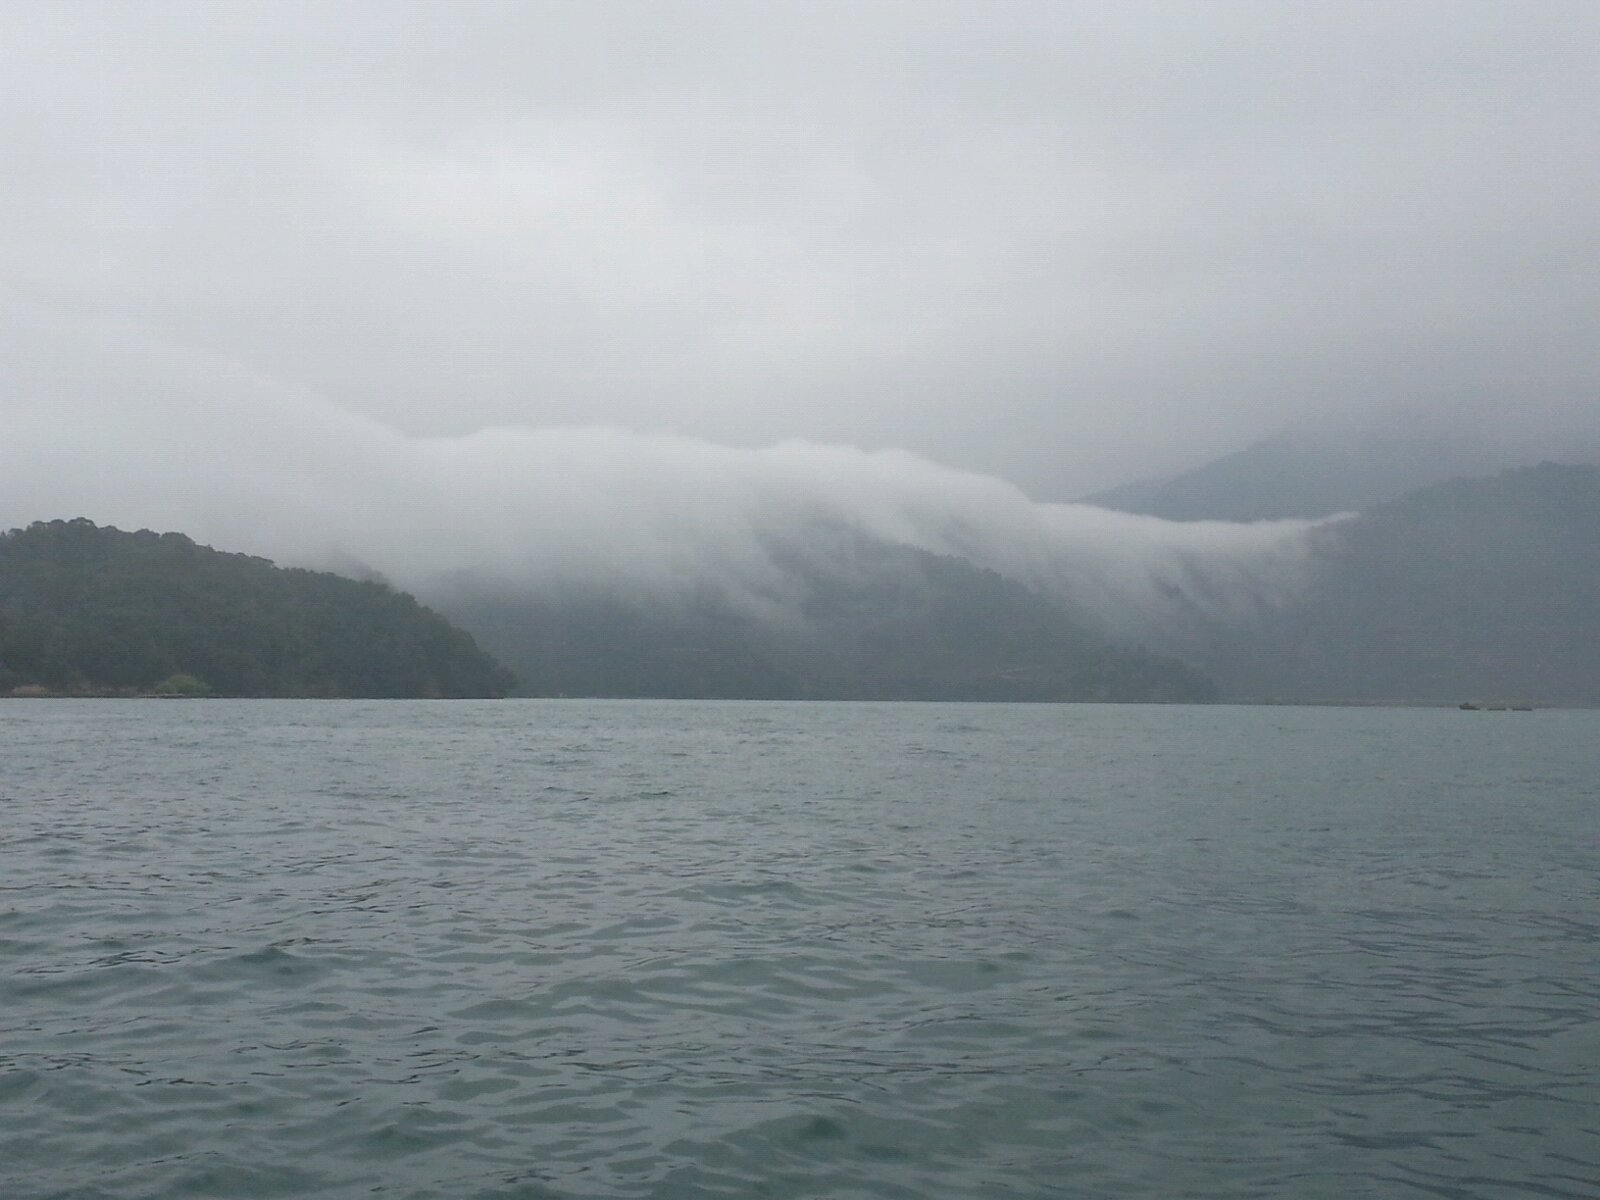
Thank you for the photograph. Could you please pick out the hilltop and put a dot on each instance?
(92, 610)
(1308, 475)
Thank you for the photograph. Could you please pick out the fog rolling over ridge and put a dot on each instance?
(604, 561)
(237, 462)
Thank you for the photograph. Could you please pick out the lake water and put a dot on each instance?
(556, 949)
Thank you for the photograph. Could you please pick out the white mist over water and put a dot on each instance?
(246, 464)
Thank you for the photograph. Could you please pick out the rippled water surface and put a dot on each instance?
(570, 949)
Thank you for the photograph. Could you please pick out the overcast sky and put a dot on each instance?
(1065, 243)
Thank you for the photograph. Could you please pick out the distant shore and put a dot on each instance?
(32, 692)
(35, 692)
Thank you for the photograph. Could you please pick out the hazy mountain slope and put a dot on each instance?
(1483, 588)
(85, 608)
(1308, 476)
(858, 620)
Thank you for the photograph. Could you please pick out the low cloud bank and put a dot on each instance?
(242, 464)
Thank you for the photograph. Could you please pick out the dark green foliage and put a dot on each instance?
(89, 609)
(182, 685)
(866, 620)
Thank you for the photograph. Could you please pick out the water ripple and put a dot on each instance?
(550, 951)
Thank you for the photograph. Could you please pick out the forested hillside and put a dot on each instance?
(85, 609)
(864, 620)
(1475, 589)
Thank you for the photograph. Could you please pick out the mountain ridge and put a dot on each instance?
(1476, 588)
(1481, 588)
(88, 609)
(1314, 474)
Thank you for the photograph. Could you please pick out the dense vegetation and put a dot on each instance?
(865, 620)
(87, 609)
(1475, 589)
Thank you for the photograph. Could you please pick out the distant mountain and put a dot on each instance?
(1475, 589)
(1484, 589)
(85, 609)
(859, 619)
(1309, 474)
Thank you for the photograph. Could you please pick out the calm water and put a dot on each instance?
(564, 949)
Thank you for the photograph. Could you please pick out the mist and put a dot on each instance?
(1062, 244)
(239, 462)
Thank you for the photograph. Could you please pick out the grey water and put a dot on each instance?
(557, 949)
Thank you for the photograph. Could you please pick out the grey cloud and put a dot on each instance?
(288, 476)
(1062, 243)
